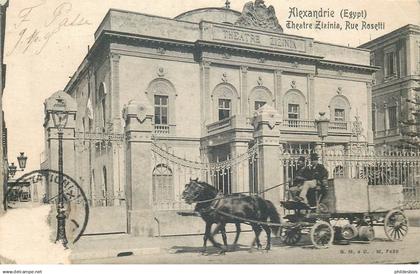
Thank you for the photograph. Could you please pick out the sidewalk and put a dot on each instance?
(107, 246)
(413, 217)
(112, 246)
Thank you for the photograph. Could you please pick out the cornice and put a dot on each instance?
(201, 44)
(350, 66)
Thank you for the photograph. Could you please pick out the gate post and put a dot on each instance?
(267, 134)
(138, 132)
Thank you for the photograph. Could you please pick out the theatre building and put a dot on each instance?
(205, 76)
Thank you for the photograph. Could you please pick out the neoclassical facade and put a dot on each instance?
(203, 74)
(398, 55)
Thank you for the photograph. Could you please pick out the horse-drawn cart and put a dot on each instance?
(347, 210)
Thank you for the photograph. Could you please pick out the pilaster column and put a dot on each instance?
(311, 96)
(115, 160)
(244, 89)
(206, 111)
(267, 135)
(240, 173)
(278, 100)
(369, 130)
(386, 114)
(115, 91)
(138, 131)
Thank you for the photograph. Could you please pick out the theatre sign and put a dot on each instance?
(255, 38)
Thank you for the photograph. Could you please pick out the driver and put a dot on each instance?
(318, 177)
(302, 174)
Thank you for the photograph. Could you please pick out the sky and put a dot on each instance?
(46, 40)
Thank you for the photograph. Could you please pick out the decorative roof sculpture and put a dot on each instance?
(258, 16)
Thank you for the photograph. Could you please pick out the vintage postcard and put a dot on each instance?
(281, 132)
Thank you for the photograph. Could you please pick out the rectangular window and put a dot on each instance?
(293, 111)
(339, 115)
(258, 104)
(390, 69)
(392, 113)
(224, 108)
(161, 110)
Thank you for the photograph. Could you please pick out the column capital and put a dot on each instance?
(205, 64)
(115, 57)
(311, 76)
(244, 69)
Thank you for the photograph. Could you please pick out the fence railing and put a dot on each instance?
(219, 125)
(171, 172)
(377, 167)
(302, 124)
(162, 130)
(294, 123)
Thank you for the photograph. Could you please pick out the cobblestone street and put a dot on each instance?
(379, 251)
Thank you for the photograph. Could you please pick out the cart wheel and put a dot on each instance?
(366, 233)
(349, 232)
(323, 208)
(322, 234)
(396, 225)
(290, 236)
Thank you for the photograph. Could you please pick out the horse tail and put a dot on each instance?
(273, 215)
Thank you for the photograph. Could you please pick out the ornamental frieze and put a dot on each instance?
(258, 15)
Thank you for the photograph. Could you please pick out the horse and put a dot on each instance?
(216, 208)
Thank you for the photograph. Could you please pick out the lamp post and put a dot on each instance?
(12, 170)
(322, 124)
(60, 120)
(22, 161)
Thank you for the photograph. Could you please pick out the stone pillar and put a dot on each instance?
(240, 172)
(205, 103)
(60, 101)
(267, 134)
(369, 133)
(244, 90)
(138, 131)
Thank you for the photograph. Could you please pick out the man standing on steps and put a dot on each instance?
(318, 176)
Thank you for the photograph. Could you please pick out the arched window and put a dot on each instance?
(258, 97)
(294, 108)
(162, 94)
(163, 185)
(102, 94)
(339, 109)
(225, 100)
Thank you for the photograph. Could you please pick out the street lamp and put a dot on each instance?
(322, 125)
(60, 119)
(22, 161)
(12, 170)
